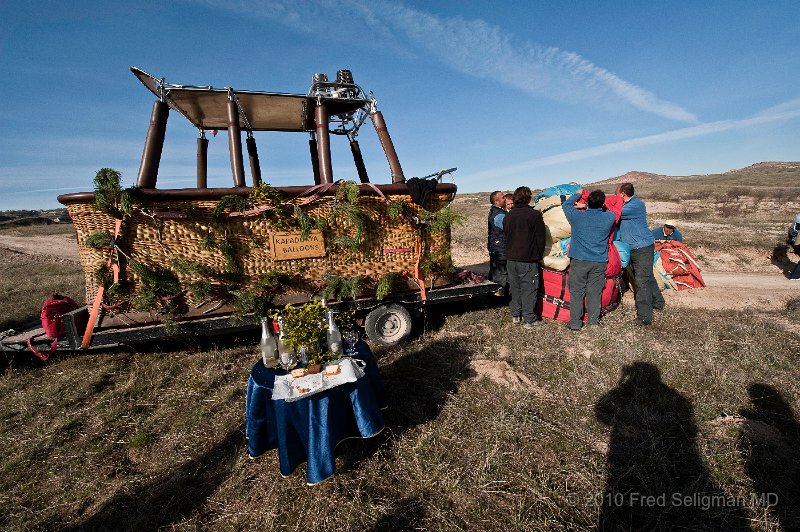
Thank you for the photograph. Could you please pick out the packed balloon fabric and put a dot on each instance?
(554, 299)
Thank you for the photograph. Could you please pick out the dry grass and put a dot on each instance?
(25, 282)
(697, 405)
(155, 439)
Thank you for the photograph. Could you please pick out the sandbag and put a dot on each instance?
(553, 298)
(556, 255)
(555, 263)
(555, 221)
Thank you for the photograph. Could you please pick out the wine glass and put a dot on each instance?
(286, 360)
(351, 339)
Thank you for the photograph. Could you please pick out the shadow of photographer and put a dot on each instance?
(770, 448)
(656, 478)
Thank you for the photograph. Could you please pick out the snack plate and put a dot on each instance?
(290, 389)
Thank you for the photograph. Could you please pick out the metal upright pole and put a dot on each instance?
(312, 147)
(355, 149)
(255, 165)
(323, 144)
(388, 147)
(153, 146)
(202, 161)
(235, 144)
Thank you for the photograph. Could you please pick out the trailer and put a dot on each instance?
(386, 322)
(146, 252)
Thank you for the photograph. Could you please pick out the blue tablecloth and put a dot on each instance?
(308, 430)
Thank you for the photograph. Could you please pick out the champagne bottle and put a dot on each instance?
(269, 347)
(334, 336)
(285, 353)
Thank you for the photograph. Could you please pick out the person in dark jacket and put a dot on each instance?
(633, 231)
(496, 241)
(525, 238)
(588, 255)
(667, 232)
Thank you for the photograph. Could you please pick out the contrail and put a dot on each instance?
(471, 47)
(782, 112)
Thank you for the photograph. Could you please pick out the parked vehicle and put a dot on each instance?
(164, 263)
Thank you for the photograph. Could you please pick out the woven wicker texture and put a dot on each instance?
(387, 246)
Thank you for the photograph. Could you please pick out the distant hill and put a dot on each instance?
(633, 176)
(22, 218)
(764, 174)
(766, 167)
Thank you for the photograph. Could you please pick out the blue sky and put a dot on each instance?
(511, 93)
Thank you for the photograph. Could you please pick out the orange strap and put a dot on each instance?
(422, 293)
(98, 299)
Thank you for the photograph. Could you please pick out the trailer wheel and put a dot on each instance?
(388, 325)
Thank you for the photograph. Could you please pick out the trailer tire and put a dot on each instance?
(388, 325)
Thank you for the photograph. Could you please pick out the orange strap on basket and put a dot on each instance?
(422, 293)
(98, 299)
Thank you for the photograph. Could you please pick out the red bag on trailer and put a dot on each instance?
(52, 311)
(553, 301)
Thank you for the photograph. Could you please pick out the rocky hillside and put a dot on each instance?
(772, 169)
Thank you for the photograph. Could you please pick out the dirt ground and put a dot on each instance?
(59, 248)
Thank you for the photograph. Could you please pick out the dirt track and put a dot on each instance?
(59, 248)
(738, 291)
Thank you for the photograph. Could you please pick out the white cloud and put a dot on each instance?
(472, 47)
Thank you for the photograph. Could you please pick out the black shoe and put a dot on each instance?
(641, 323)
(658, 308)
(573, 329)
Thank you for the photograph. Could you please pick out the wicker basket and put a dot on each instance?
(157, 241)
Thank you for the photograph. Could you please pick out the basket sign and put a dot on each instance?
(287, 246)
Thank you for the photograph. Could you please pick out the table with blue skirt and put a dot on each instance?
(308, 429)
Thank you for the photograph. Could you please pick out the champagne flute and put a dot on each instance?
(351, 339)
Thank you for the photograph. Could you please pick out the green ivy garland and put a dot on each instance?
(160, 288)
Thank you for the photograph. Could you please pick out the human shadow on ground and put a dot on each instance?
(417, 386)
(780, 258)
(656, 478)
(770, 448)
(171, 496)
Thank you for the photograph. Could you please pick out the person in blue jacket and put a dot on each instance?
(496, 241)
(633, 230)
(588, 255)
(667, 232)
